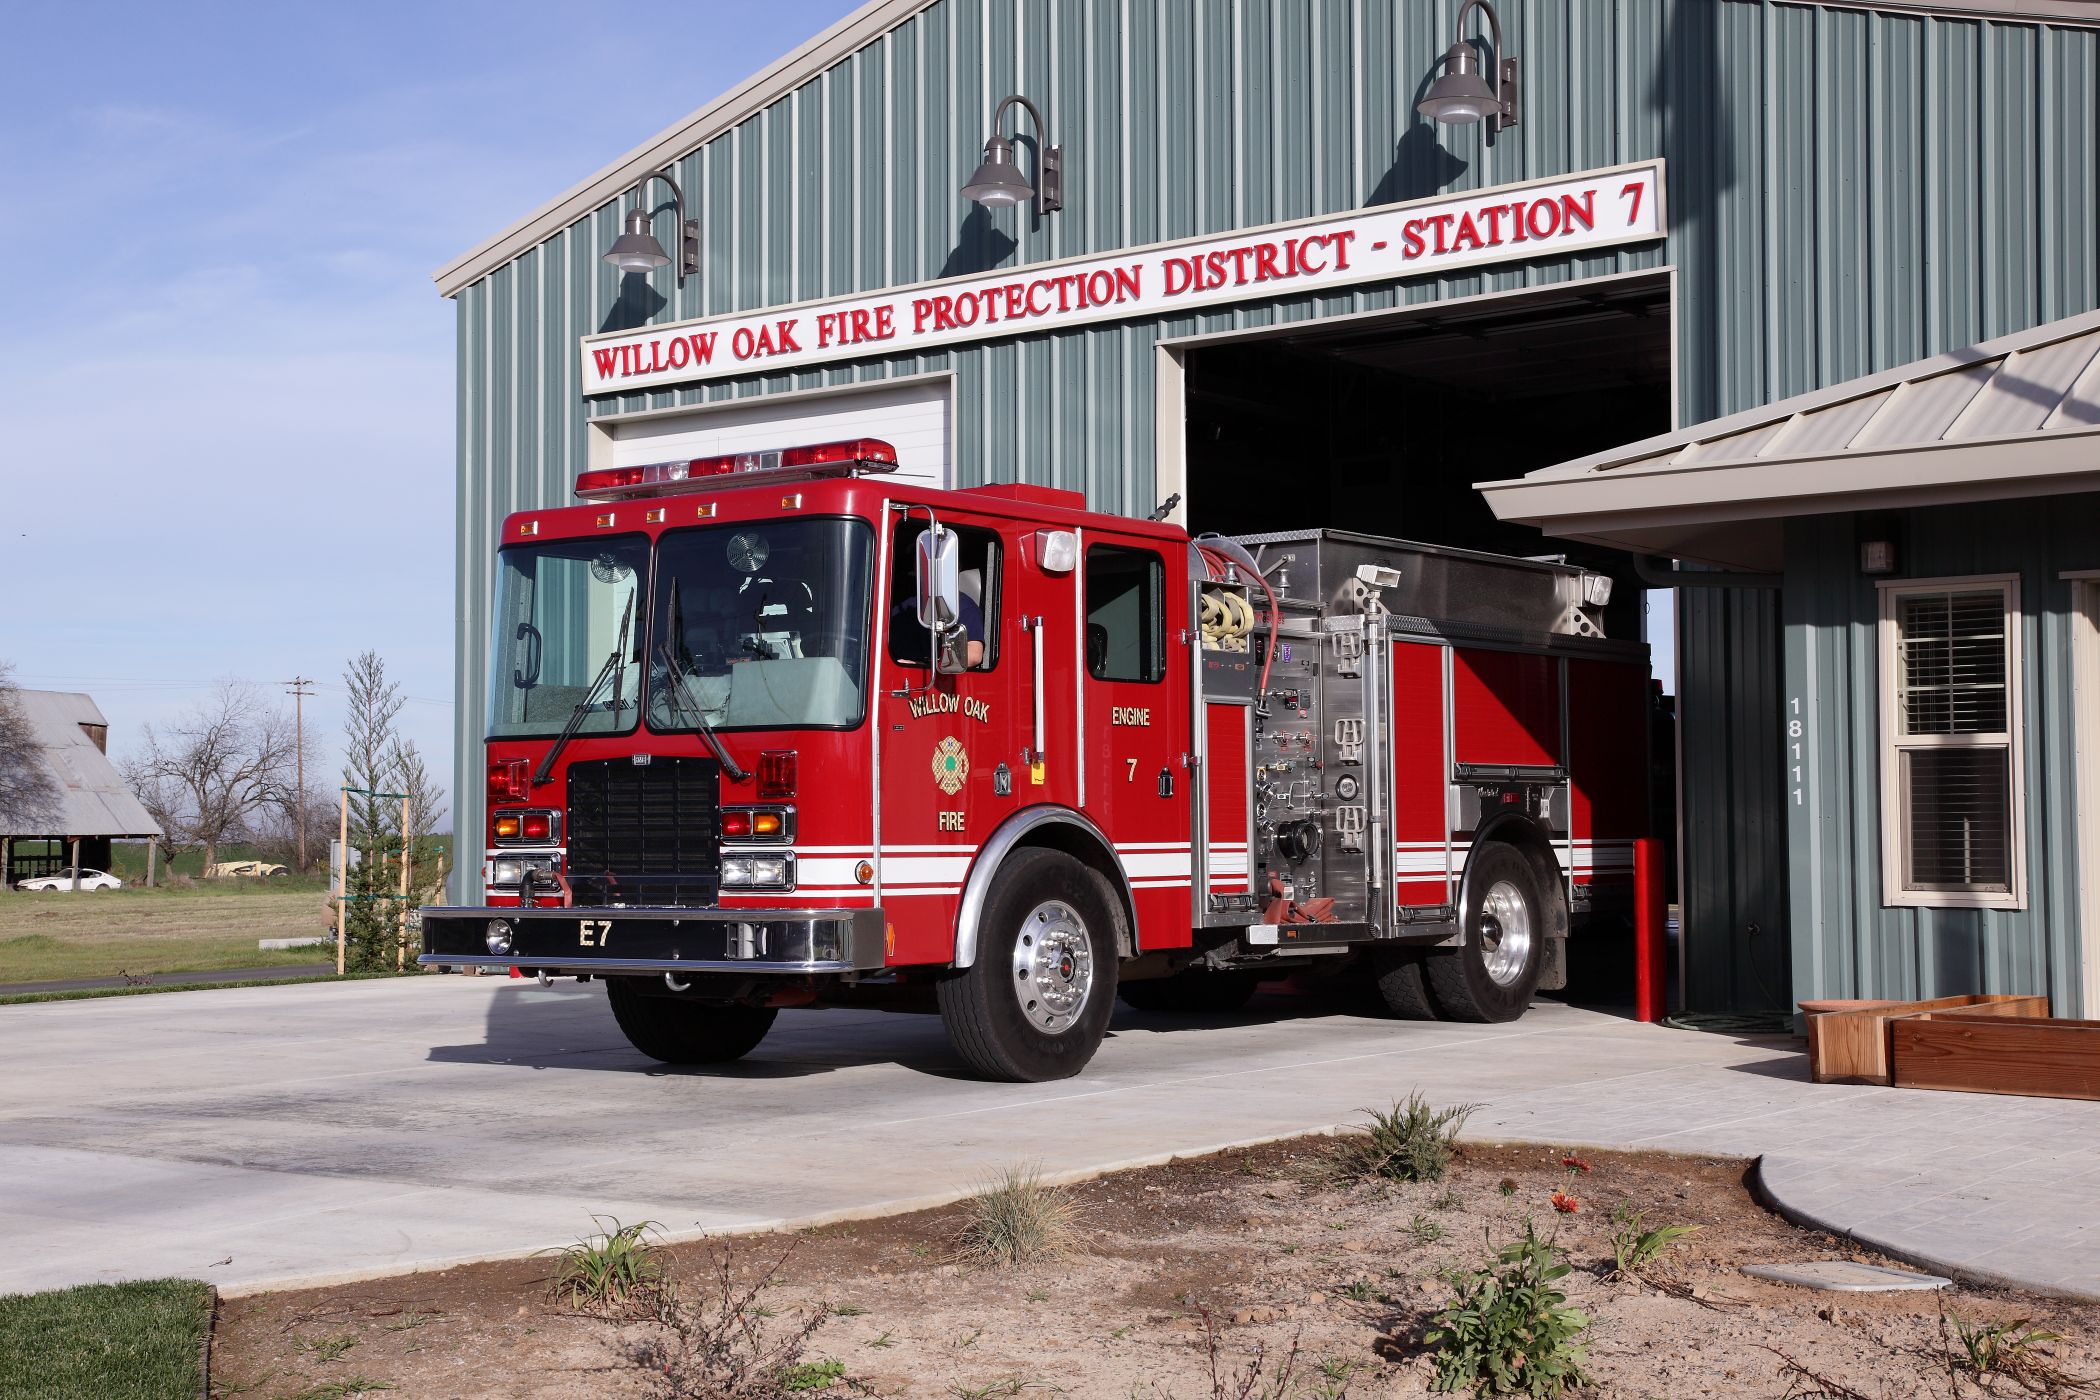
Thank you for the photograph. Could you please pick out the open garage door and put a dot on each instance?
(915, 417)
(1383, 423)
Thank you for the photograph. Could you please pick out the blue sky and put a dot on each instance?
(225, 375)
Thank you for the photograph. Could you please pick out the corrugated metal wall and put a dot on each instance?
(1869, 189)
(1186, 117)
(1846, 943)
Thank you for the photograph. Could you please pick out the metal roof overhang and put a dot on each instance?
(2018, 416)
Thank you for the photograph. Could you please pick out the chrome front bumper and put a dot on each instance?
(632, 939)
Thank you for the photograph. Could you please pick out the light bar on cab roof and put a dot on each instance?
(693, 473)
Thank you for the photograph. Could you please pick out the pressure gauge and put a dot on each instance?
(748, 552)
(1346, 787)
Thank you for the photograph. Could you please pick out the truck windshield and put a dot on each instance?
(559, 609)
(761, 626)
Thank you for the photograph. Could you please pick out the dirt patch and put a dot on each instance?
(1248, 1243)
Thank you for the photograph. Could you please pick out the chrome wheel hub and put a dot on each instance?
(1505, 933)
(1053, 966)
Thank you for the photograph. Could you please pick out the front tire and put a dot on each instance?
(1491, 976)
(680, 1032)
(1035, 1002)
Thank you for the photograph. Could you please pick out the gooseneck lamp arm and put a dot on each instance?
(636, 250)
(996, 181)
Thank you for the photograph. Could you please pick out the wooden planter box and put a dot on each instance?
(1995, 1054)
(1848, 1041)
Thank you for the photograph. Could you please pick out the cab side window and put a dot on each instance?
(979, 576)
(1126, 615)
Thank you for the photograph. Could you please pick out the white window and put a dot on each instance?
(1951, 827)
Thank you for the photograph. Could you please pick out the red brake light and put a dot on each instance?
(536, 826)
(776, 773)
(736, 823)
(507, 780)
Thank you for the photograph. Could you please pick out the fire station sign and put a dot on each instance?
(1542, 219)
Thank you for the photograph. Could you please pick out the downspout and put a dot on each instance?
(1657, 572)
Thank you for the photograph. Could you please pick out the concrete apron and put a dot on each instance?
(271, 1137)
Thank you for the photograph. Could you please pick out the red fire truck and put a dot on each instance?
(780, 729)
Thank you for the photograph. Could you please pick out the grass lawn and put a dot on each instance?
(123, 1341)
(104, 933)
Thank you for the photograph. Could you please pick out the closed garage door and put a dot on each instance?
(914, 418)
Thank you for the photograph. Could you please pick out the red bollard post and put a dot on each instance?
(1651, 998)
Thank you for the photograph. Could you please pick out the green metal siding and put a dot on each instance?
(1826, 218)
(1846, 942)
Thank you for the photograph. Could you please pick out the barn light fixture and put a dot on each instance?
(1462, 95)
(998, 182)
(637, 250)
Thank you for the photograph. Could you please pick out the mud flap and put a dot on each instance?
(1553, 971)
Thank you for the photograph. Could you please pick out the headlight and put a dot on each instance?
(507, 871)
(499, 937)
(758, 872)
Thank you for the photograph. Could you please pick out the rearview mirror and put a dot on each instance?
(940, 586)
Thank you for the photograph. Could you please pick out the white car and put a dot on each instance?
(63, 880)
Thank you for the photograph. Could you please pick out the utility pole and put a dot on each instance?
(298, 691)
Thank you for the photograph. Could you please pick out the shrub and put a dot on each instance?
(1507, 1329)
(611, 1269)
(1017, 1218)
(1408, 1142)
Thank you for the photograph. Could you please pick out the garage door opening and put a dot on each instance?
(1384, 424)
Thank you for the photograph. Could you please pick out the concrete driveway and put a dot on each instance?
(259, 1136)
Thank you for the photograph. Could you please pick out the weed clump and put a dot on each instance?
(2015, 1350)
(1508, 1330)
(1412, 1141)
(611, 1270)
(1017, 1219)
(724, 1349)
(1633, 1246)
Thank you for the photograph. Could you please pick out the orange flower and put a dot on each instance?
(1565, 1204)
(1575, 1164)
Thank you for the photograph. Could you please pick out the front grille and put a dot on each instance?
(645, 833)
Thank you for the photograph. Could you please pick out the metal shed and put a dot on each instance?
(94, 806)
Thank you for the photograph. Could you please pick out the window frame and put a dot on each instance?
(1158, 561)
(902, 560)
(1895, 812)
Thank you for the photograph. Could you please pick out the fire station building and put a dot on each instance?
(1784, 307)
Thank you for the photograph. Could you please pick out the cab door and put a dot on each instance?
(1133, 696)
(947, 746)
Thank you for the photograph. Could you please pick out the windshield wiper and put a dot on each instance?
(696, 715)
(614, 669)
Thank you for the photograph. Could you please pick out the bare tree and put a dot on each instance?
(426, 803)
(208, 775)
(28, 797)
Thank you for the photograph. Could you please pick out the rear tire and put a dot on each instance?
(1492, 975)
(1035, 1002)
(680, 1032)
(1402, 981)
(1192, 993)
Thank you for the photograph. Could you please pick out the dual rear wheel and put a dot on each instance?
(1492, 973)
